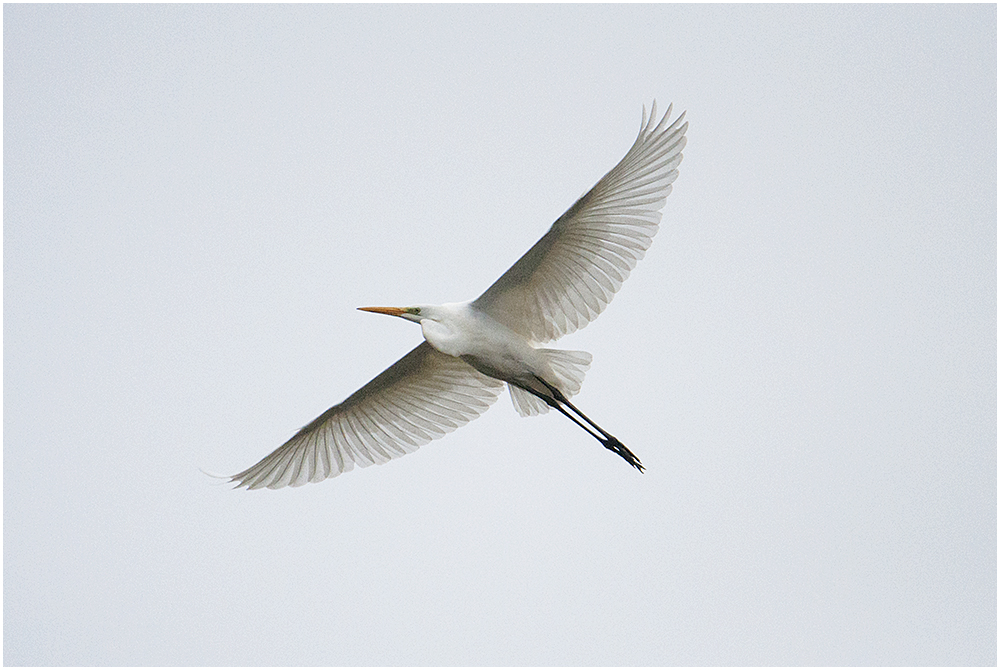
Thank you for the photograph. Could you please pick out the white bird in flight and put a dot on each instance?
(472, 348)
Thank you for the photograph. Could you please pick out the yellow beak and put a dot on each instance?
(391, 311)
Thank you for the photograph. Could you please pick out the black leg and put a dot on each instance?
(610, 442)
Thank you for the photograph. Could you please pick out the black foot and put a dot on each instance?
(616, 446)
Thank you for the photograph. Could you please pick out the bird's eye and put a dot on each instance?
(415, 310)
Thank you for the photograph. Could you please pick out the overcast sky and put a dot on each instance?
(197, 198)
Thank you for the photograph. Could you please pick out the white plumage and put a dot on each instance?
(561, 284)
(570, 275)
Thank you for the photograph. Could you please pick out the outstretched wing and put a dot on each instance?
(422, 396)
(571, 274)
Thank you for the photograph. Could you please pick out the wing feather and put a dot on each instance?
(570, 275)
(422, 396)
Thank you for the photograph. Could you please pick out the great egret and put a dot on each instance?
(472, 348)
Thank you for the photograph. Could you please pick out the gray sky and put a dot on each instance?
(196, 198)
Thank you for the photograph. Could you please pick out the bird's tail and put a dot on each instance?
(525, 403)
(569, 368)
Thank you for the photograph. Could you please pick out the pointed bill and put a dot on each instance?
(391, 311)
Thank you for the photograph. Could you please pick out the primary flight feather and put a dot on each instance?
(471, 349)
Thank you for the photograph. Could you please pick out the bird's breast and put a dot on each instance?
(445, 338)
(487, 345)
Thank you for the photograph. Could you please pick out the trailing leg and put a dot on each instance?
(559, 401)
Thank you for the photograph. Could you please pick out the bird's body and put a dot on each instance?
(466, 332)
(473, 348)
(462, 331)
